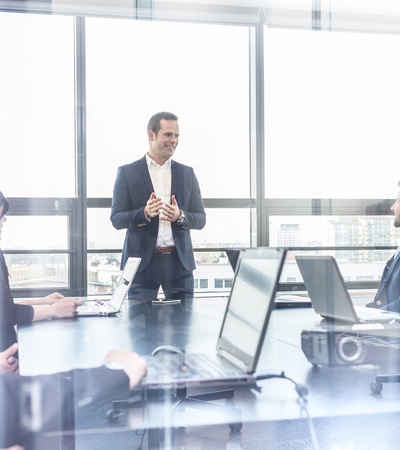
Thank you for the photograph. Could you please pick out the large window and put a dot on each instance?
(199, 72)
(292, 145)
(332, 106)
(28, 269)
(331, 130)
(37, 106)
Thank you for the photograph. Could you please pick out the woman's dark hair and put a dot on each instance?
(5, 204)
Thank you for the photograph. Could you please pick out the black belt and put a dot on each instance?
(165, 250)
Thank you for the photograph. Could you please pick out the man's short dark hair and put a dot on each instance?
(154, 122)
(5, 204)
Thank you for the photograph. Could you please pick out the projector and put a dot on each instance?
(346, 346)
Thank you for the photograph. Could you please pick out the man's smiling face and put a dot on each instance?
(164, 143)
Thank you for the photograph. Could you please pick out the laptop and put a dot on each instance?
(281, 300)
(243, 329)
(98, 307)
(329, 295)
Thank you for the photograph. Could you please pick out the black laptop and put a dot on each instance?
(243, 329)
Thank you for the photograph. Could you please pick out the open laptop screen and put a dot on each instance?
(250, 305)
(326, 287)
(125, 282)
(233, 255)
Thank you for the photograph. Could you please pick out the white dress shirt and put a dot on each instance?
(161, 180)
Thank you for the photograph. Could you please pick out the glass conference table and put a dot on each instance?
(340, 390)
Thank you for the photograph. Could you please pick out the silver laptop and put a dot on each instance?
(329, 295)
(98, 307)
(243, 329)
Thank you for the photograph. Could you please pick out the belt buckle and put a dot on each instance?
(164, 250)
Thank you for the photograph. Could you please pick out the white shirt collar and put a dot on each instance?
(151, 162)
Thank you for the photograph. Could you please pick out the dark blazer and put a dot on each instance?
(388, 294)
(11, 314)
(132, 190)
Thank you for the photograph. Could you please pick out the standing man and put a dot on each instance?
(388, 294)
(158, 201)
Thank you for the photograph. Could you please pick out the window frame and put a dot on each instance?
(261, 208)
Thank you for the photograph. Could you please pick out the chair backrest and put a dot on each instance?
(48, 412)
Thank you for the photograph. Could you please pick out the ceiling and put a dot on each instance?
(358, 15)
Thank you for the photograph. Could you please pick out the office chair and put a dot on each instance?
(389, 376)
(377, 387)
(180, 401)
(48, 421)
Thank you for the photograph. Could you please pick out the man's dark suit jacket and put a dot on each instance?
(132, 189)
(388, 294)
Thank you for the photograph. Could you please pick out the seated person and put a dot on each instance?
(388, 294)
(102, 379)
(53, 306)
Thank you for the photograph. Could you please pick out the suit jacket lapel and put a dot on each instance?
(391, 265)
(144, 170)
(387, 273)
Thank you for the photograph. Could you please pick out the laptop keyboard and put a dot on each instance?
(96, 307)
(105, 306)
(89, 308)
(371, 314)
(202, 365)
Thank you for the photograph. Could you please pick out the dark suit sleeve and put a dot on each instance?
(393, 306)
(99, 381)
(196, 215)
(127, 210)
(186, 189)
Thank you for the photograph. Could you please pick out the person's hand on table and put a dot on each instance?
(52, 298)
(66, 307)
